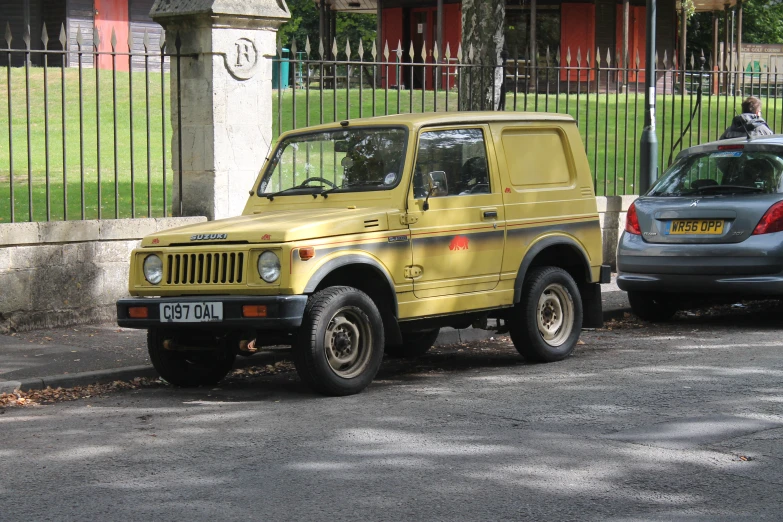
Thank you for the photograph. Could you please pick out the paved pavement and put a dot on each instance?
(82, 355)
(681, 421)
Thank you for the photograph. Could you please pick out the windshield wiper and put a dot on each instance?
(325, 193)
(273, 195)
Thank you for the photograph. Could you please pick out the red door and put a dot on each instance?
(112, 14)
(577, 36)
(423, 40)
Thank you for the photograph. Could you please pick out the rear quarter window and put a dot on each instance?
(537, 157)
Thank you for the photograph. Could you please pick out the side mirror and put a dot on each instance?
(437, 186)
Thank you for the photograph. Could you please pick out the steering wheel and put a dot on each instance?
(317, 178)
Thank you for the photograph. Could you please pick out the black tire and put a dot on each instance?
(652, 307)
(547, 322)
(414, 344)
(339, 347)
(188, 369)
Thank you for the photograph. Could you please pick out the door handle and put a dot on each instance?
(491, 214)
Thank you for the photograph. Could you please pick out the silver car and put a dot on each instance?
(711, 226)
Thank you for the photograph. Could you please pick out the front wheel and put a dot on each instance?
(190, 367)
(652, 307)
(546, 323)
(339, 347)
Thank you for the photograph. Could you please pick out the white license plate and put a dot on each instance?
(192, 312)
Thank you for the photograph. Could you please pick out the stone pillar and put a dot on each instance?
(226, 98)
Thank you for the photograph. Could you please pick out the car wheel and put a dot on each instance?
(547, 322)
(652, 307)
(414, 344)
(188, 368)
(339, 347)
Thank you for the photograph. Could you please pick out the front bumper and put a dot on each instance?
(283, 312)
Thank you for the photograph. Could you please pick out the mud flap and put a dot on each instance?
(592, 307)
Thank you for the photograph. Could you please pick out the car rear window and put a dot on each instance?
(722, 172)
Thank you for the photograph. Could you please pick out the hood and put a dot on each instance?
(278, 226)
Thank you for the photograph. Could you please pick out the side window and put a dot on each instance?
(536, 157)
(456, 162)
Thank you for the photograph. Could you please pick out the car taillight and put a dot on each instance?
(771, 221)
(632, 222)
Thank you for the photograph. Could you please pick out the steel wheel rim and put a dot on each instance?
(555, 314)
(348, 342)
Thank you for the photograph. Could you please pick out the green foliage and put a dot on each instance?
(762, 24)
(304, 24)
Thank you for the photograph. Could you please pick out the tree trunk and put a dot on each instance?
(482, 32)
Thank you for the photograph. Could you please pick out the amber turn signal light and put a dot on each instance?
(138, 312)
(254, 311)
(306, 253)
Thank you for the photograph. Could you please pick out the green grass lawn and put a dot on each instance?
(611, 138)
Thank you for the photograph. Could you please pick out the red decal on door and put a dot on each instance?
(459, 243)
(155, 241)
(266, 237)
(508, 190)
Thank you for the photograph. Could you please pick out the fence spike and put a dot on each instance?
(587, 59)
(113, 39)
(44, 36)
(424, 51)
(608, 58)
(638, 60)
(471, 53)
(597, 58)
(655, 60)
(293, 48)
(625, 59)
(347, 50)
(386, 50)
(146, 41)
(8, 36)
(279, 46)
(63, 36)
(361, 50)
(546, 56)
(665, 59)
(26, 36)
(79, 38)
(579, 56)
(373, 52)
(447, 55)
(435, 53)
(96, 37)
(398, 51)
(459, 52)
(557, 57)
(162, 41)
(411, 51)
(568, 56)
(334, 48)
(693, 62)
(321, 48)
(308, 48)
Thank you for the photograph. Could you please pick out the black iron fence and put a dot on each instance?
(89, 137)
(604, 94)
(86, 138)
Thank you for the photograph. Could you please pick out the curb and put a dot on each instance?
(446, 336)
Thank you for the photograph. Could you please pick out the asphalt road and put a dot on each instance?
(682, 422)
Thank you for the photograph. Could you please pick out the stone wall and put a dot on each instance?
(68, 272)
(73, 272)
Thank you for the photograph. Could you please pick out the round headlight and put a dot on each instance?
(269, 266)
(153, 269)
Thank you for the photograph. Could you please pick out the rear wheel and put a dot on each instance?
(189, 368)
(414, 344)
(339, 347)
(546, 323)
(652, 307)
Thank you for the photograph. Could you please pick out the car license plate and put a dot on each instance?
(192, 312)
(695, 226)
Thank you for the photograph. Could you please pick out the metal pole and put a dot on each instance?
(648, 172)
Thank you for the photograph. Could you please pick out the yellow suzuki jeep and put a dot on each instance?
(370, 235)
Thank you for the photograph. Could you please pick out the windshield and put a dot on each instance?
(344, 160)
(722, 172)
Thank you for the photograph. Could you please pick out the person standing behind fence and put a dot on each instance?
(749, 123)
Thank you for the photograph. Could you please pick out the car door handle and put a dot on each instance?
(491, 214)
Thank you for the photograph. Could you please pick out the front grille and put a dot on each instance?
(205, 268)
